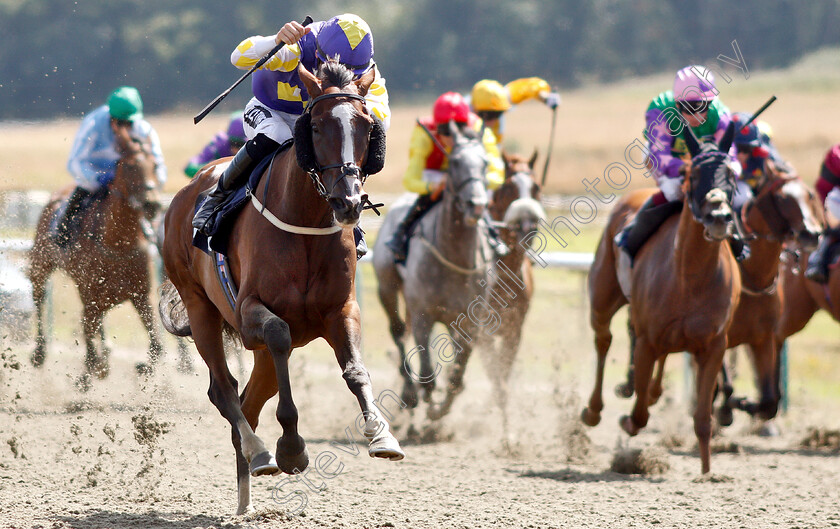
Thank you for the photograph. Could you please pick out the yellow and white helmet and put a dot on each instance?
(489, 96)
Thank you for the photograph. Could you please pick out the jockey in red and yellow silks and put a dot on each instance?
(828, 189)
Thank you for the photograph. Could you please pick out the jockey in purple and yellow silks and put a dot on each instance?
(279, 94)
(490, 100)
(693, 100)
(828, 189)
(225, 143)
(427, 164)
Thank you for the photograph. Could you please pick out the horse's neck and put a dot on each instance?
(514, 259)
(695, 257)
(762, 268)
(292, 196)
(454, 239)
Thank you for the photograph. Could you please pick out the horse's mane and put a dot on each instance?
(333, 73)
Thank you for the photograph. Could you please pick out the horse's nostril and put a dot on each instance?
(727, 218)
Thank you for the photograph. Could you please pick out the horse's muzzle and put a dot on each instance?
(347, 210)
(808, 239)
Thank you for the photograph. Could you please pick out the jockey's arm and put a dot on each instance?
(157, 153)
(420, 147)
(495, 164)
(80, 163)
(660, 141)
(252, 49)
(376, 100)
(527, 88)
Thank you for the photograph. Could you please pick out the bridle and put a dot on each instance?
(348, 169)
(770, 211)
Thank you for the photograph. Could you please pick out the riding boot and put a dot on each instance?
(644, 225)
(361, 245)
(227, 184)
(817, 269)
(398, 243)
(63, 226)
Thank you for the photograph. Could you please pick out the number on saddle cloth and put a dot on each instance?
(222, 219)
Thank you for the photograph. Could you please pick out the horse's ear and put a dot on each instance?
(313, 87)
(691, 141)
(363, 83)
(457, 136)
(533, 160)
(728, 136)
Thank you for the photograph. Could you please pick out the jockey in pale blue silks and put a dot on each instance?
(280, 95)
(693, 102)
(93, 156)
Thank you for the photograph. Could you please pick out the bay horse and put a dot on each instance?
(516, 211)
(783, 211)
(443, 274)
(684, 289)
(108, 261)
(294, 259)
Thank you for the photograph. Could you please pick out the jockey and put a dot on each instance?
(490, 100)
(223, 144)
(93, 157)
(427, 164)
(828, 189)
(694, 99)
(280, 95)
(754, 148)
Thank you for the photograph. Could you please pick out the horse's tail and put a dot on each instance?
(172, 311)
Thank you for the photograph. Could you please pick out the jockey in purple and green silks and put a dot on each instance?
(694, 101)
(279, 93)
(224, 144)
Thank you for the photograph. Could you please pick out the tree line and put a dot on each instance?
(60, 57)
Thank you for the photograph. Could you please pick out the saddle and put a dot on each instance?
(223, 218)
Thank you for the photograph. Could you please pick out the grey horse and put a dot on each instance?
(442, 277)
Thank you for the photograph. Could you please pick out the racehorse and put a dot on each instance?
(783, 211)
(443, 276)
(684, 288)
(516, 211)
(294, 259)
(109, 261)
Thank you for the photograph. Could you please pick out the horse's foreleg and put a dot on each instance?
(502, 368)
(455, 385)
(95, 363)
(708, 366)
(389, 297)
(261, 387)
(144, 310)
(625, 389)
(764, 361)
(421, 327)
(206, 324)
(38, 277)
(656, 386)
(259, 326)
(344, 336)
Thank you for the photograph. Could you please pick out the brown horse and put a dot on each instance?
(784, 211)
(803, 297)
(516, 212)
(684, 288)
(109, 262)
(294, 260)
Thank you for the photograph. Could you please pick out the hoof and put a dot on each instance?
(624, 391)
(386, 447)
(769, 429)
(435, 413)
(84, 383)
(589, 417)
(37, 358)
(409, 396)
(100, 368)
(628, 425)
(725, 417)
(143, 369)
(292, 464)
(263, 464)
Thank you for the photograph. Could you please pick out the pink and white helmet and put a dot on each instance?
(694, 83)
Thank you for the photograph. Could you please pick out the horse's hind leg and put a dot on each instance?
(261, 326)
(625, 389)
(389, 297)
(344, 336)
(92, 317)
(206, 323)
(645, 359)
(40, 269)
(144, 309)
